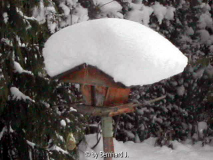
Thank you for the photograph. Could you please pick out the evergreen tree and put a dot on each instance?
(32, 124)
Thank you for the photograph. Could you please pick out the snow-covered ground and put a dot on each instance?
(147, 151)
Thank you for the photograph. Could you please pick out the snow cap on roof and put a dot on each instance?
(131, 53)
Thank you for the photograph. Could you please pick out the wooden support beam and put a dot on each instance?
(110, 111)
(104, 111)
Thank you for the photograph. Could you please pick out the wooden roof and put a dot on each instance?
(90, 75)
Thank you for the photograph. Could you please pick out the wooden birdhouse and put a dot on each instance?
(98, 90)
(102, 96)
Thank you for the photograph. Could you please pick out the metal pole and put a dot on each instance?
(107, 131)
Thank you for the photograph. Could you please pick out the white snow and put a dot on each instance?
(198, 73)
(73, 109)
(160, 11)
(71, 3)
(134, 6)
(57, 148)
(7, 41)
(205, 6)
(147, 11)
(31, 144)
(5, 16)
(146, 150)
(135, 15)
(60, 137)
(141, 14)
(180, 90)
(2, 132)
(201, 127)
(189, 31)
(142, 110)
(5, 130)
(108, 7)
(204, 35)
(205, 21)
(30, 154)
(170, 13)
(22, 14)
(18, 95)
(65, 8)
(19, 69)
(209, 70)
(63, 123)
(80, 14)
(211, 48)
(211, 39)
(129, 52)
(129, 134)
(42, 14)
(51, 21)
(68, 120)
(39, 13)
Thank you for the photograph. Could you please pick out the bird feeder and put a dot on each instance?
(102, 97)
(123, 51)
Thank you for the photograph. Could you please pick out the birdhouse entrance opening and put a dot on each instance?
(104, 96)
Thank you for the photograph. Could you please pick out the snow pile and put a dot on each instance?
(19, 69)
(162, 12)
(139, 13)
(18, 95)
(80, 14)
(146, 151)
(109, 8)
(204, 35)
(63, 123)
(202, 126)
(73, 13)
(159, 11)
(189, 31)
(39, 13)
(65, 8)
(170, 13)
(131, 53)
(205, 19)
(5, 16)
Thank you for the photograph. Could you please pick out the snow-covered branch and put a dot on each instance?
(18, 95)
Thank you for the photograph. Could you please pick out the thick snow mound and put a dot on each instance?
(131, 53)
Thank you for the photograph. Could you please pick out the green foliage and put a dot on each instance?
(36, 119)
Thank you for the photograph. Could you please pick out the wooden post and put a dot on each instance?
(107, 132)
(94, 96)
